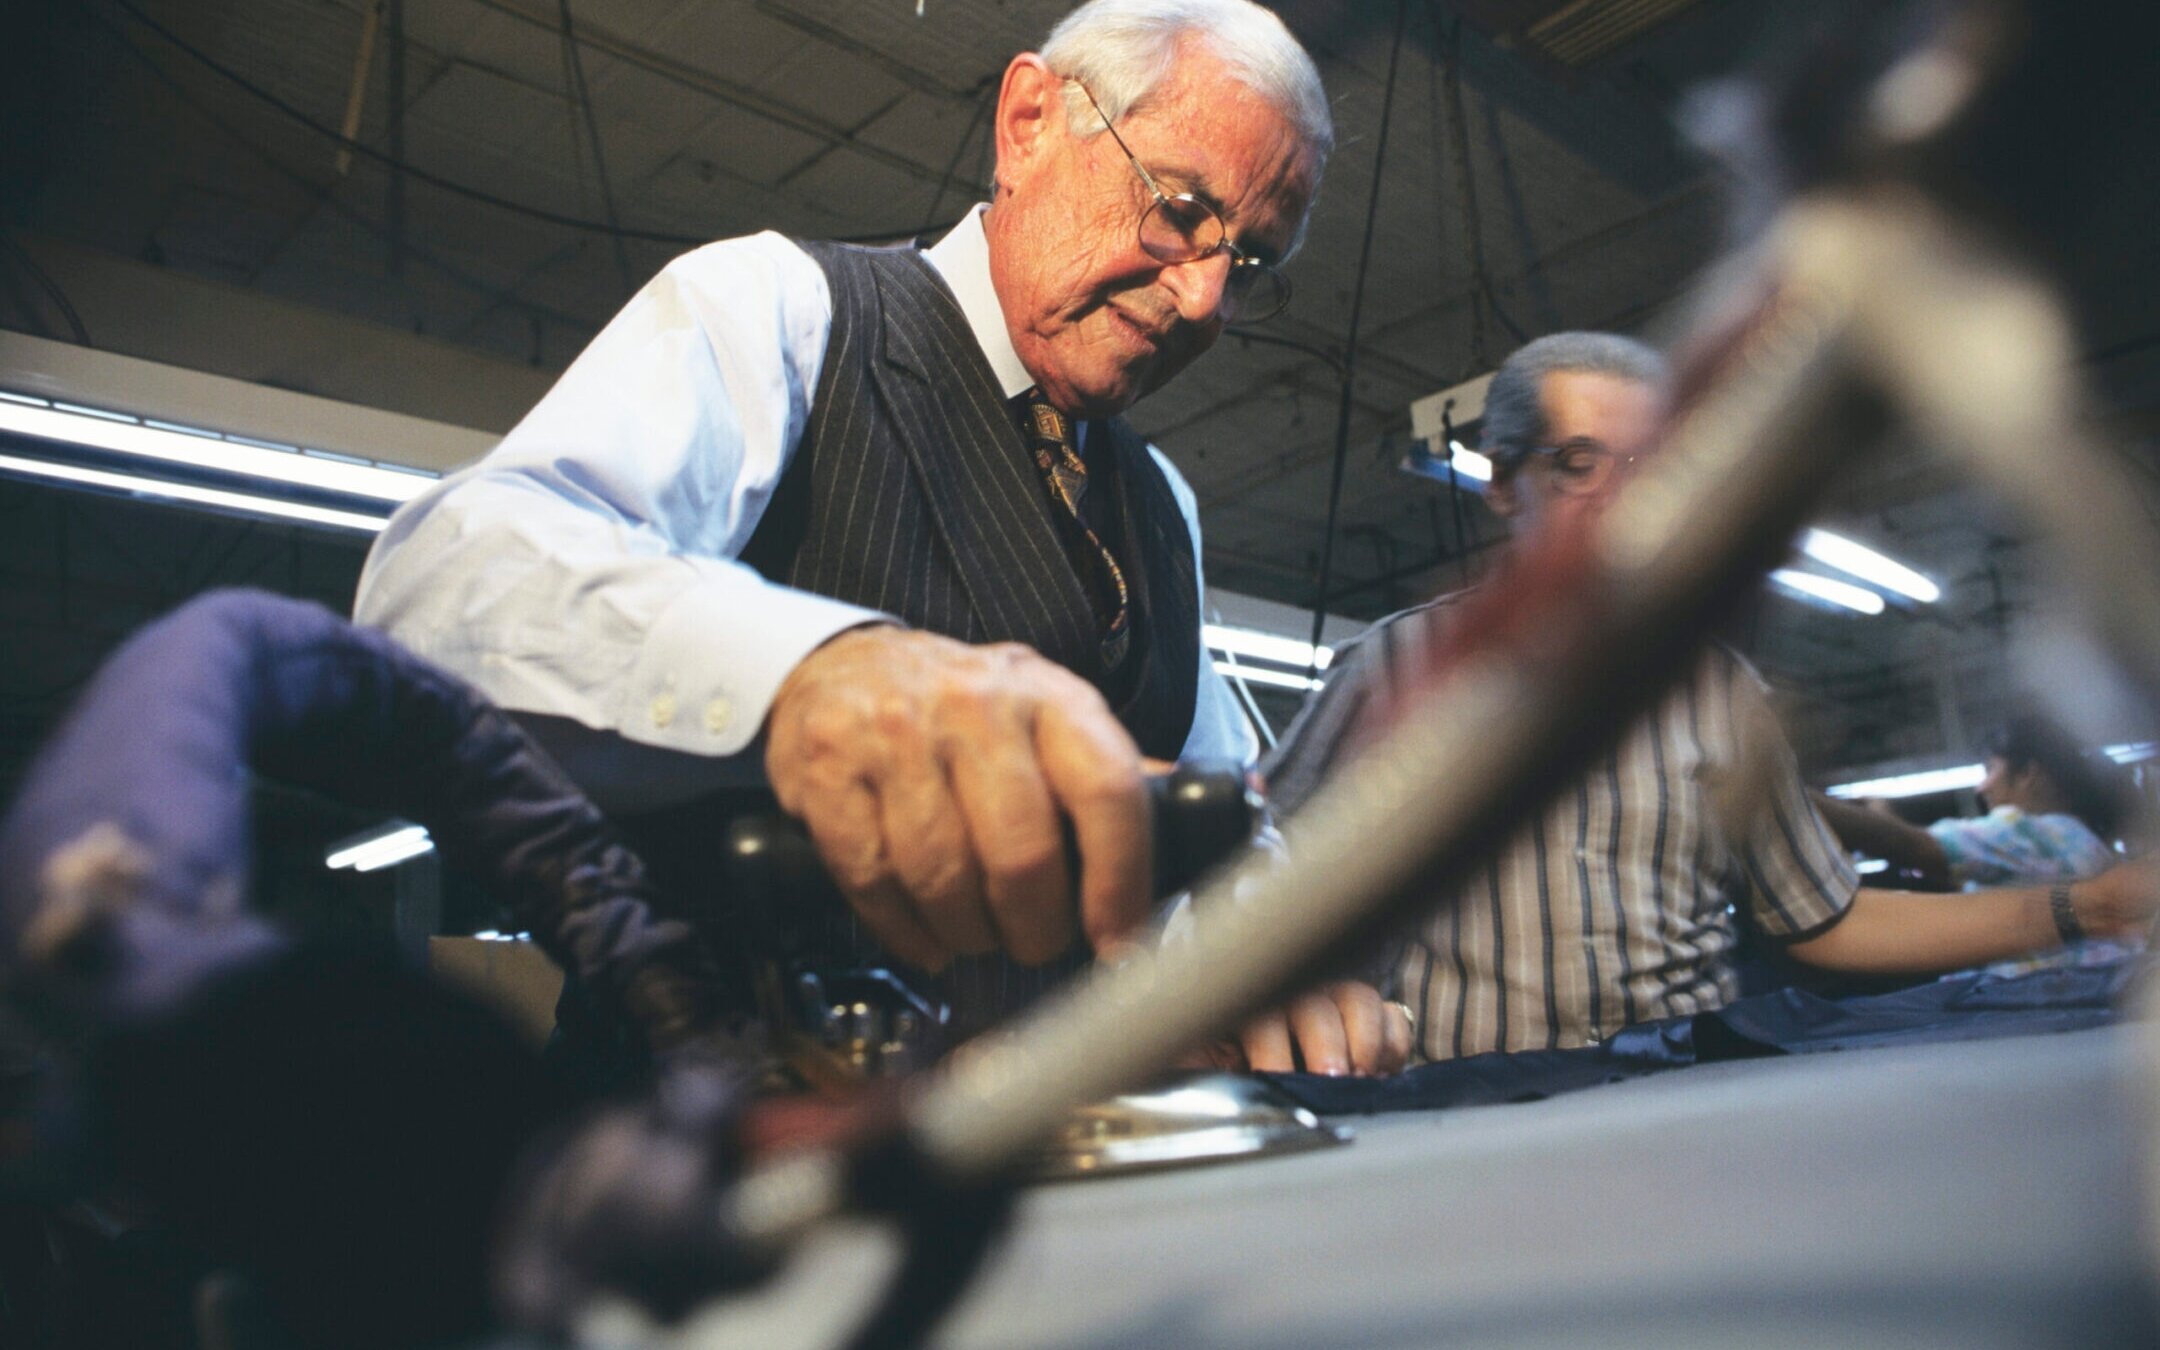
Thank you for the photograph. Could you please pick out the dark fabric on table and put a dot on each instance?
(1787, 1021)
(156, 752)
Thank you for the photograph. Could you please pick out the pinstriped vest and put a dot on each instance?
(913, 492)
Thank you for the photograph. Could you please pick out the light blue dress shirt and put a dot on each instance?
(584, 573)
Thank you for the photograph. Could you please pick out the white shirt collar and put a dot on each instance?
(962, 257)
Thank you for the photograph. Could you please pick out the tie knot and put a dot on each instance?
(1046, 422)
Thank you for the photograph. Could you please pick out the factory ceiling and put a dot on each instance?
(521, 166)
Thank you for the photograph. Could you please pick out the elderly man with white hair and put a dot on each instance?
(865, 525)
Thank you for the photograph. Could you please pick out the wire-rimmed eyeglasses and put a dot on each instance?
(1180, 228)
(1583, 466)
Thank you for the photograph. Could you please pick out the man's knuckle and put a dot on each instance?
(943, 878)
(1023, 860)
(894, 714)
(1104, 785)
(964, 700)
(826, 726)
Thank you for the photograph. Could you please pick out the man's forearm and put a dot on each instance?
(1907, 847)
(1910, 933)
(1913, 933)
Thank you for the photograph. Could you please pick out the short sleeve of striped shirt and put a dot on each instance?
(1794, 880)
(1364, 668)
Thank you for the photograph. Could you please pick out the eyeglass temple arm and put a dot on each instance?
(1133, 159)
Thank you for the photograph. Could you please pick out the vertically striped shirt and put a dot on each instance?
(1620, 903)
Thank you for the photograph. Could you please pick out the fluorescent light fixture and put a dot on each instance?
(1469, 463)
(1835, 550)
(1868, 867)
(1266, 646)
(115, 433)
(1829, 590)
(1966, 775)
(189, 492)
(1260, 675)
(387, 844)
(1914, 784)
(1457, 465)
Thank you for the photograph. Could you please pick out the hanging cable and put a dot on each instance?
(1332, 361)
(256, 91)
(322, 197)
(435, 180)
(1447, 167)
(394, 131)
(1454, 488)
(581, 96)
(952, 169)
(1466, 193)
(1350, 343)
(45, 283)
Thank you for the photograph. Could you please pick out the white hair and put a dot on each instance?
(1122, 49)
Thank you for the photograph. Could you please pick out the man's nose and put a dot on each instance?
(1199, 287)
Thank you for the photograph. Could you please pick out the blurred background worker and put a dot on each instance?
(2051, 810)
(1623, 900)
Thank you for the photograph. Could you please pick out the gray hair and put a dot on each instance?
(1122, 49)
(1514, 404)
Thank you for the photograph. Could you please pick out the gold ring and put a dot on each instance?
(1409, 1013)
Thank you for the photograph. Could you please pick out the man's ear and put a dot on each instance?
(1500, 496)
(1030, 106)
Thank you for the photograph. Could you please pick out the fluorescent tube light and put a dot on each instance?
(391, 854)
(1260, 675)
(1828, 589)
(96, 430)
(1835, 550)
(190, 492)
(1966, 775)
(1265, 646)
(1457, 465)
(382, 847)
(1914, 784)
(1469, 463)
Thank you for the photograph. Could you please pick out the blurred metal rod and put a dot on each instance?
(1802, 354)
(1980, 356)
(1619, 615)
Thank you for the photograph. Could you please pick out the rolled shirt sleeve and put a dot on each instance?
(584, 573)
(586, 568)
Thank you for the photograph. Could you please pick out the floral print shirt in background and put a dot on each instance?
(2006, 846)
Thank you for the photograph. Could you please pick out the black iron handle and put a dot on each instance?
(1202, 813)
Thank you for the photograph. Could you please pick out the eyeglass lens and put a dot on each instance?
(1585, 467)
(1180, 229)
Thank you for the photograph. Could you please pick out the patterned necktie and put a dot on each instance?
(1051, 436)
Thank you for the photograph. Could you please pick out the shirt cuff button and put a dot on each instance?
(718, 714)
(663, 710)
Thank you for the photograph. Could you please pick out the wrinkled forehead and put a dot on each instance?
(1618, 412)
(1208, 132)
